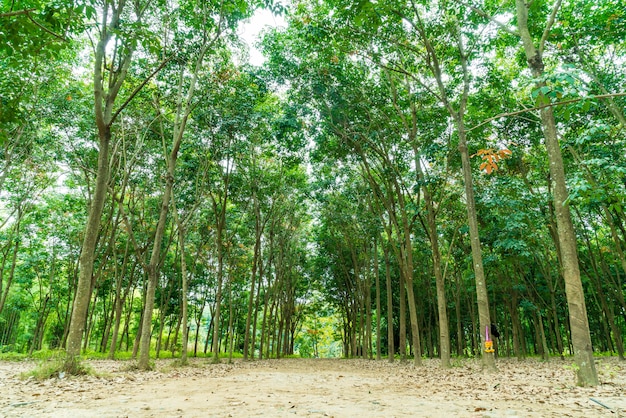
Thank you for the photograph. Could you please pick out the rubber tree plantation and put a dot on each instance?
(398, 180)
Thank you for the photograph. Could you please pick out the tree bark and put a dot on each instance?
(255, 263)
(83, 289)
(388, 284)
(457, 114)
(579, 323)
(185, 285)
(378, 305)
(5, 292)
(442, 305)
(482, 297)
(103, 106)
(183, 112)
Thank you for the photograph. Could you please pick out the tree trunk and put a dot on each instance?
(402, 319)
(442, 305)
(209, 331)
(581, 338)
(515, 326)
(390, 336)
(230, 333)
(255, 263)
(473, 349)
(153, 272)
(183, 111)
(257, 301)
(367, 353)
(83, 289)
(482, 297)
(185, 286)
(545, 351)
(103, 106)
(460, 339)
(378, 307)
(488, 359)
(137, 341)
(5, 292)
(220, 226)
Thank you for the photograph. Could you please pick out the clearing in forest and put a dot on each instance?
(316, 388)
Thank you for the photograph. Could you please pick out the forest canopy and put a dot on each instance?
(398, 178)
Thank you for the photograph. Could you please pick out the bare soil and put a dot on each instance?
(316, 388)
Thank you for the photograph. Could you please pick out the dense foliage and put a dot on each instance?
(384, 184)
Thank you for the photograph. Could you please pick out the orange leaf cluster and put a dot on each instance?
(491, 157)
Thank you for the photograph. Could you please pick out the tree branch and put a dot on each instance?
(549, 25)
(16, 13)
(27, 12)
(492, 19)
(45, 29)
(519, 112)
(139, 87)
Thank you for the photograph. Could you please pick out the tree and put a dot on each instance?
(109, 76)
(581, 340)
(212, 28)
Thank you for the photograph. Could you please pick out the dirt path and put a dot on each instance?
(316, 388)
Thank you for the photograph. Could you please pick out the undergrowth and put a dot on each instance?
(55, 366)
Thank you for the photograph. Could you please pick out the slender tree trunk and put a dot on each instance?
(116, 310)
(367, 352)
(153, 266)
(442, 305)
(38, 334)
(5, 292)
(231, 311)
(488, 359)
(185, 286)
(482, 296)
(581, 338)
(545, 351)
(184, 109)
(108, 318)
(402, 342)
(220, 270)
(515, 326)
(209, 332)
(83, 289)
(117, 318)
(378, 305)
(255, 263)
(460, 340)
(174, 342)
(263, 328)
(474, 349)
(257, 302)
(137, 341)
(553, 306)
(104, 101)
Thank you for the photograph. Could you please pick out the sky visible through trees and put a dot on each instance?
(388, 179)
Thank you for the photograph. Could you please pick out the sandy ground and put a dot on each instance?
(316, 388)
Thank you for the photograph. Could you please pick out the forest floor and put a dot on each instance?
(316, 388)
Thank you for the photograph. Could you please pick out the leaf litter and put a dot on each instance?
(317, 387)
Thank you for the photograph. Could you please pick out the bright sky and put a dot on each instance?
(251, 30)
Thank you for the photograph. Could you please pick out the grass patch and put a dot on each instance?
(178, 363)
(119, 355)
(132, 366)
(55, 366)
(13, 357)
